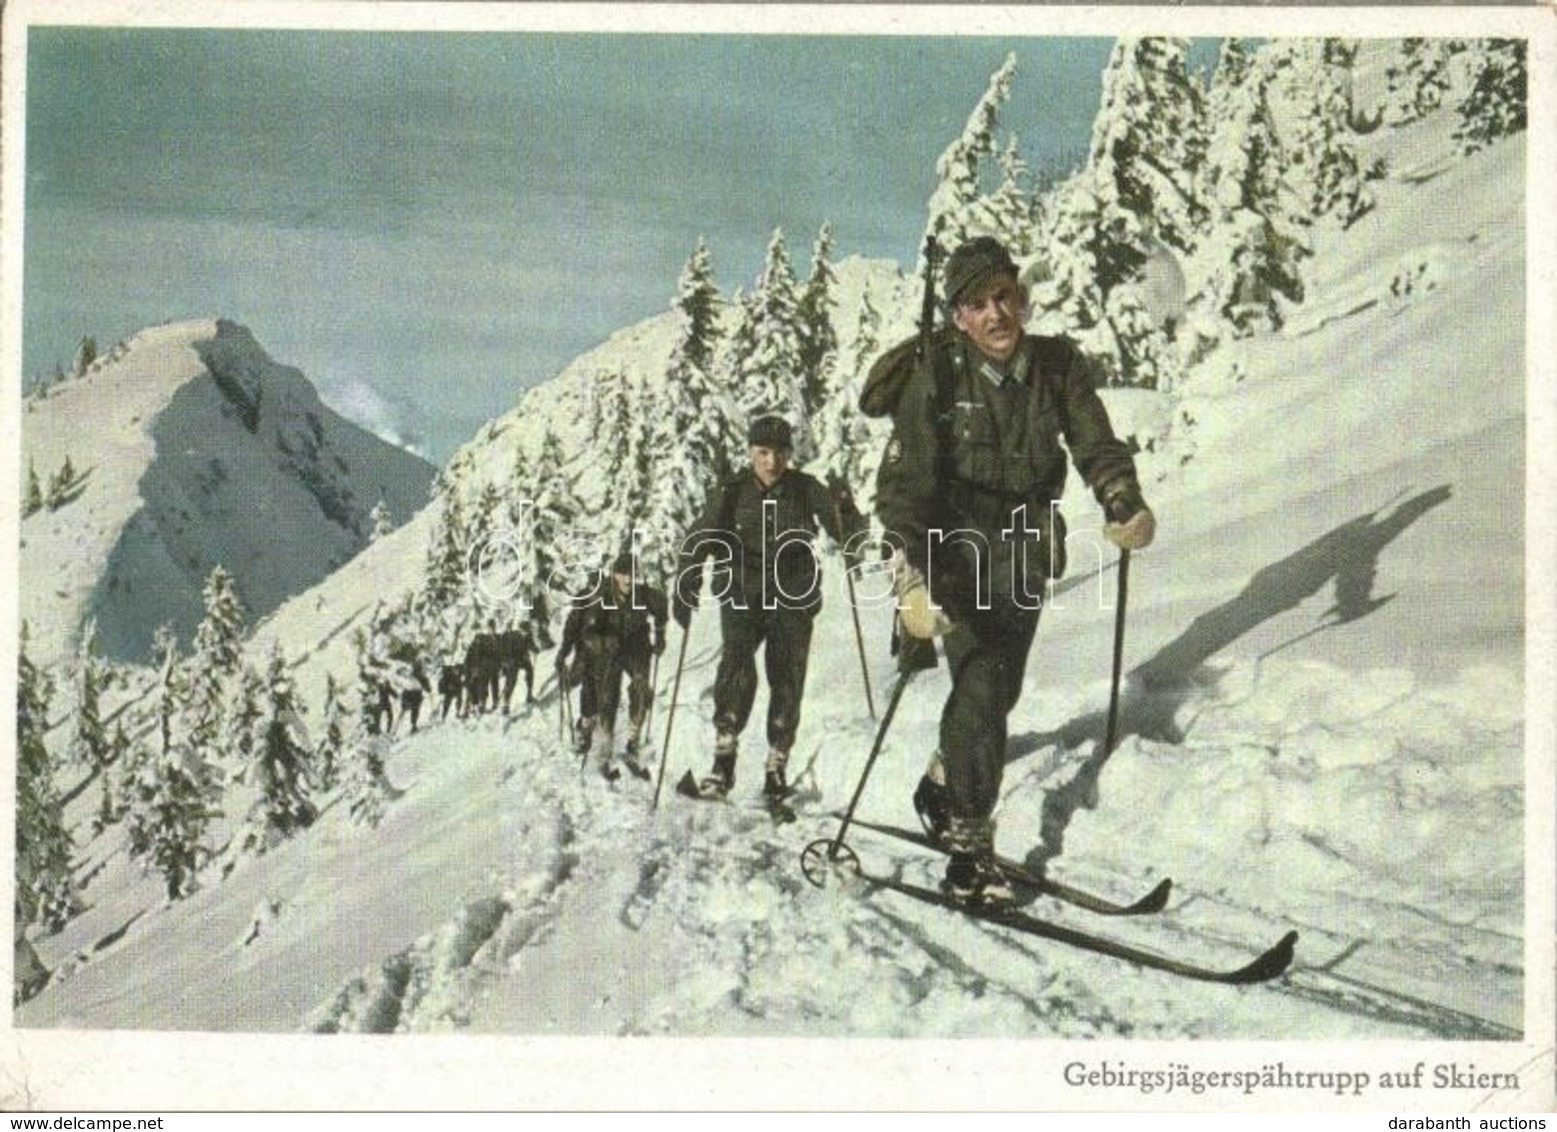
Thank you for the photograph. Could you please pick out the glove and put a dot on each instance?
(1131, 524)
(920, 617)
(659, 641)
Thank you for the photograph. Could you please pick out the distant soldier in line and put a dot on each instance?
(394, 670)
(765, 520)
(483, 669)
(643, 641)
(451, 687)
(614, 630)
(513, 649)
(412, 681)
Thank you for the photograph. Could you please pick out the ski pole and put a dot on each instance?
(854, 609)
(1119, 629)
(670, 719)
(654, 693)
(835, 846)
(567, 708)
(562, 708)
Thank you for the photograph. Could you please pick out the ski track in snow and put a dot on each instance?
(744, 945)
(597, 916)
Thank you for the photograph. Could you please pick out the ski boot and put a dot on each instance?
(775, 787)
(634, 749)
(583, 736)
(605, 740)
(932, 801)
(718, 782)
(972, 876)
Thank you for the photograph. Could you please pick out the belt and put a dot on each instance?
(988, 508)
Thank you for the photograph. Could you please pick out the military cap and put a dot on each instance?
(972, 262)
(770, 432)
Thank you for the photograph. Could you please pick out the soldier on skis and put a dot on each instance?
(482, 670)
(967, 493)
(762, 524)
(615, 630)
(514, 647)
(451, 687)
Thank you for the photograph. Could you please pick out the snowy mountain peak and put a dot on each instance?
(180, 449)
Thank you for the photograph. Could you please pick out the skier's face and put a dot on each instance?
(769, 463)
(991, 315)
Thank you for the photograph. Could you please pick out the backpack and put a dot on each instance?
(887, 377)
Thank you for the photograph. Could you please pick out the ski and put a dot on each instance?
(780, 811)
(1018, 874)
(1265, 967)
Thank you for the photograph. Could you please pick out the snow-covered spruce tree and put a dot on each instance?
(1137, 197)
(1149, 140)
(1081, 263)
(697, 305)
(488, 521)
(630, 468)
(382, 521)
(45, 891)
(1093, 290)
(89, 745)
(33, 503)
(766, 377)
(527, 601)
(1250, 256)
(646, 437)
(843, 439)
(61, 483)
(953, 204)
(612, 439)
(1234, 66)
(110, 806)
(1310, 101)
(364, 784)
(1417, 80)
(561, 543)
(240, 720)
(138, 758)
(733, 352)
(175, 794)
(1499, 90)
(214, 663)
(1012, 213)
(444, 571)
(698, 424)
(218, 639)
(281, 763)
(329, 751)
(818, 337)
(86, 354)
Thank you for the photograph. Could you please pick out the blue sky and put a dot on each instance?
(427, 223)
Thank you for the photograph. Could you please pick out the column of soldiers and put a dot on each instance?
(984, 416)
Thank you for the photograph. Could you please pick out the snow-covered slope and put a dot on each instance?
(1324, 731)
(195, 450)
